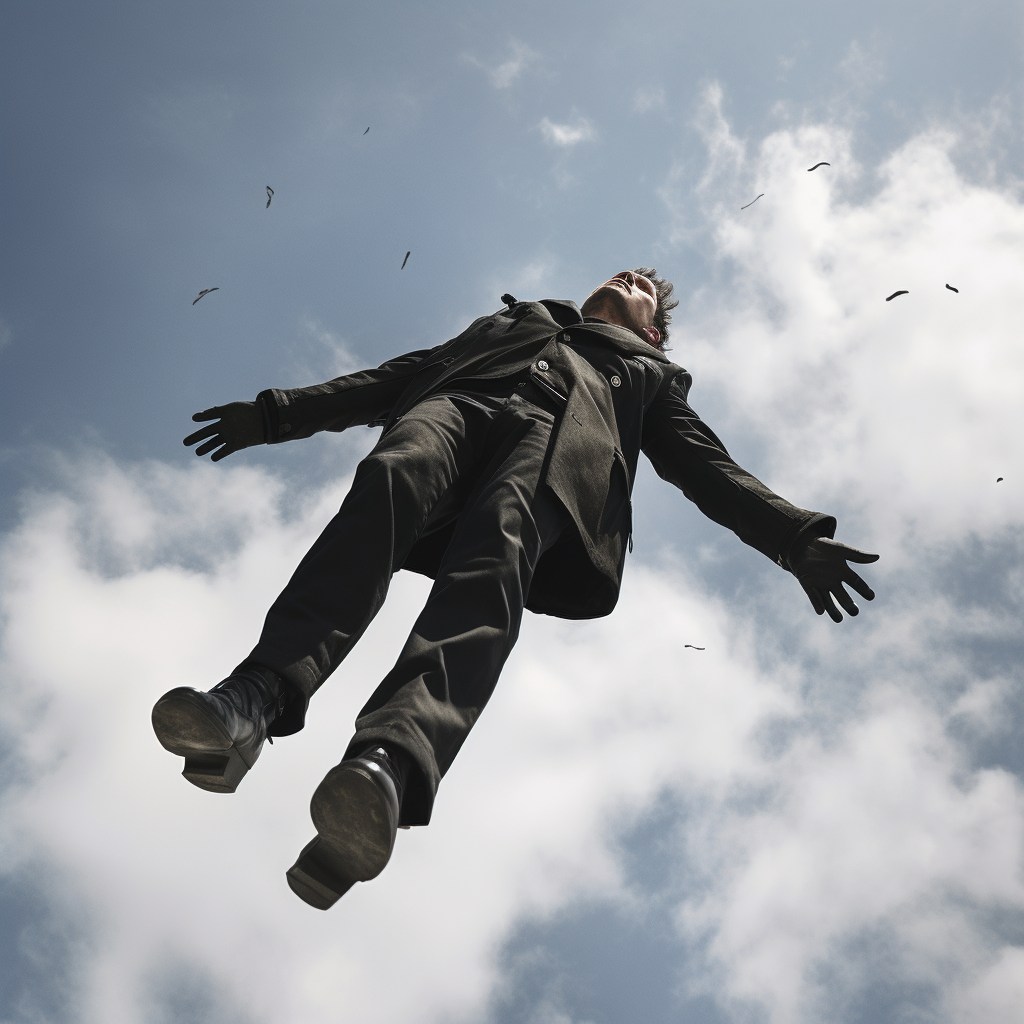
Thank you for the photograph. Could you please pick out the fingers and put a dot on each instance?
(223, 453)
(214, 442)
(814, 597)
(845, 551)
(833, 612)
(822, 601)
(845, 601)
(207, 414)
(200, 434)
(853, 580)
(853, 555)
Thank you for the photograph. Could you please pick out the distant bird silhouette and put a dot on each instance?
(752, 201)
(999, 479)
(270, 195)
(406, 260)
(695, 648)
(822, 163)
(902, 291)
(952, 289)
(205, 291)
(366, 131)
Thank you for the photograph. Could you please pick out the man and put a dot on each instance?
(504, 472)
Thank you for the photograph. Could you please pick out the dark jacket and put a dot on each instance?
(620, 396)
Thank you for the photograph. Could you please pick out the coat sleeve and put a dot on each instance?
(685, 451)
(356, 399)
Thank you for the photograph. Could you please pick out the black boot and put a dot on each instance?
(220, 733)
(355, 810)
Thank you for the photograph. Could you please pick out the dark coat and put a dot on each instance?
(620, 396)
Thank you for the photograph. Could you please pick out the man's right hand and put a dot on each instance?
(240, 425)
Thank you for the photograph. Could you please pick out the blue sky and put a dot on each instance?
(802, 823)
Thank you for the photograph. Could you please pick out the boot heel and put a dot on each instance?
(315, 883)
(217, 773)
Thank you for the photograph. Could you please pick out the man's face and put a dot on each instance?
(628, 300)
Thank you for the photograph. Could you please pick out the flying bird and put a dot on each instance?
(902, 291)
(270, 195)
(205, 291)
(366, 131)
(952, 289)
(752, 201)
(406, 260)
(821, 163)
(695, 648)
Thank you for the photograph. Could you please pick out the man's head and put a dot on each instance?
(638, 300)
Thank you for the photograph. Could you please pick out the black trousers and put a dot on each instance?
(477, 459)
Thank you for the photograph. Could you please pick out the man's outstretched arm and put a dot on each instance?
(239, 425)
(355, 398)
(686, 452)
(822, 569)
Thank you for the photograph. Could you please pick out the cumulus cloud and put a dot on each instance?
(648, 98)
(331, 356)
(567, 135)
(504, 74)
(910, 405)
(97, 822)
(893, 838)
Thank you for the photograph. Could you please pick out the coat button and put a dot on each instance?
(616, 380)
(542, 364)
(565, 335)
(284, 428)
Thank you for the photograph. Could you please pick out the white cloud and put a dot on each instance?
(567, 134)
(869, 817)
(645, 99)
(908, 408)
(504, 74)
(332, 356)
(900, 416)
(166, 873)
(862, 68)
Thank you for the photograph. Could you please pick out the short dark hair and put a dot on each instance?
(663, 314)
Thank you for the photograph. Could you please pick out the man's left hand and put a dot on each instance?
(822, 570)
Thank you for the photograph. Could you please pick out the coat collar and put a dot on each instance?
(567, 314)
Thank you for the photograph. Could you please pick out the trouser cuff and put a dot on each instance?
(423, 776)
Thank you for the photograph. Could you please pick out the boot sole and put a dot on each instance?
(355, 837)
(184, 727)
(314, 880)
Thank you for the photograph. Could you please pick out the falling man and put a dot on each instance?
(504, 472)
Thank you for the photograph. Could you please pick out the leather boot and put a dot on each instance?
(220, 733)
(355, 810)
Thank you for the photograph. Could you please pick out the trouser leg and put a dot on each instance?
(341, 583)
(448, 669)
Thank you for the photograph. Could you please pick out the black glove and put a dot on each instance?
(822, 570)
(240, 425)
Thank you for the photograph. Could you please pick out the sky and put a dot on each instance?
(801, 822)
